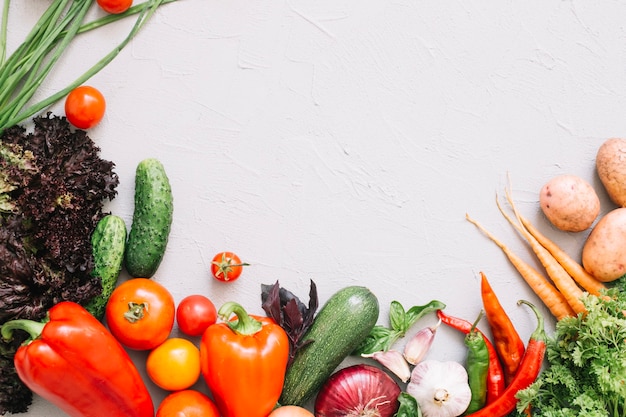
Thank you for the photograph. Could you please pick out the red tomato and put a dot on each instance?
(115, 6)
(174, 365)
(187, 403)
(84, 107)
(227, 266)
(140, 313)
(194, 314)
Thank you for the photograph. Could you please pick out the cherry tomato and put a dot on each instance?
(227, 266)
(290, 411)
(194, 314)
(174, 365)
(187, 403)
(140, 313)
(115, 6)
(84, 107)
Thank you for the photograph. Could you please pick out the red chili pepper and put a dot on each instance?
(74, 362)
(527, 373)
(495, 376)
(507, 342)
(244, 362)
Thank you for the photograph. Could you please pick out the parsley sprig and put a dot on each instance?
(586, 370)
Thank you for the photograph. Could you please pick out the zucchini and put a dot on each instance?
(108, 242)
(152, 219)
(340, 326)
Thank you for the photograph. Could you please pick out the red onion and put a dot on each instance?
(358, 391)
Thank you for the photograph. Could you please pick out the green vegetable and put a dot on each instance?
(24, 70)
(341, 324)
(108, 241)
(586, 370)
(152, 219)
(408, 406)
(381, 338)
(477, 365)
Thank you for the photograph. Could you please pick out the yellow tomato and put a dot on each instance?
(291, 411)
(174, 365)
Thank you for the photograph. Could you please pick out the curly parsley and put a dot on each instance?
(586, 369)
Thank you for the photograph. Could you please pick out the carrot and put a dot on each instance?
(576, 271)
(559, 276)
(547, 293)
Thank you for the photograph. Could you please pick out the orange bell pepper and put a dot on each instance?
(244, 362)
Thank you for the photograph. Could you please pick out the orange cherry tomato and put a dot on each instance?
(115, 6)
(84, 107)
(227, 266)
(174, 365)
(194, 314)
(140, 313)
(291, 411)
(187, 403)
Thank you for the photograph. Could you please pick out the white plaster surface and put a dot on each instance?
(344, 141)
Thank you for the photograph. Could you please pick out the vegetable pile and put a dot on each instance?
(61, 257)
(54, 184)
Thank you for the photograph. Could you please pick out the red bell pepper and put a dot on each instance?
(74, 362)
(244, 362)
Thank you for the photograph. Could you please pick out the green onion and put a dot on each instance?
(23, 72)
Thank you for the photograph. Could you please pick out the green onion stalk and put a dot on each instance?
(25, 69)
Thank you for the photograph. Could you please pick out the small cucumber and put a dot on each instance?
(152, 219)
(344, 321)
(108, 242)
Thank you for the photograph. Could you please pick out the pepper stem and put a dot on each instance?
(244, 325)
(33, 328)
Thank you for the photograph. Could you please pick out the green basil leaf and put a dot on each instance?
(408, 406)
(416, 312)
(397, 317)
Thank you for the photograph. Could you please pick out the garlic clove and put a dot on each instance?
(394, 361)
(419, 345)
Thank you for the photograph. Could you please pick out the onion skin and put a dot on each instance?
(358, 391)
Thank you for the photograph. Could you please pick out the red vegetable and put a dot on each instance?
(194, 314)
(115, 6)
(84, 107)
(526, 374)
(495, 374)
(358, 390)
(75, 363)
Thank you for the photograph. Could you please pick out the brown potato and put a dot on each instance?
(604, 251)
(611, 168)
(570, 203)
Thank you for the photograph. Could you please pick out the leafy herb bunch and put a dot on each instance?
(586, 372)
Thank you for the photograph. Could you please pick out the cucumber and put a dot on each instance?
(108, 242)
(152, 219)
(344, 321)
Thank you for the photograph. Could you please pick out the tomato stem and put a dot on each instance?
(244, 325)
(136, 311)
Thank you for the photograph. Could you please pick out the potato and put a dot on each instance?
(570, 203)
(604, 251)
(611, 169)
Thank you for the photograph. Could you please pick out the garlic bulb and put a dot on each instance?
(440, 388)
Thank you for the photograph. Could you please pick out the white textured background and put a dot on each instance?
(344, 141)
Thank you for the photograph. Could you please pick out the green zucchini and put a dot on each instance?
(344, 321)
(152, 219)
(108, 242)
